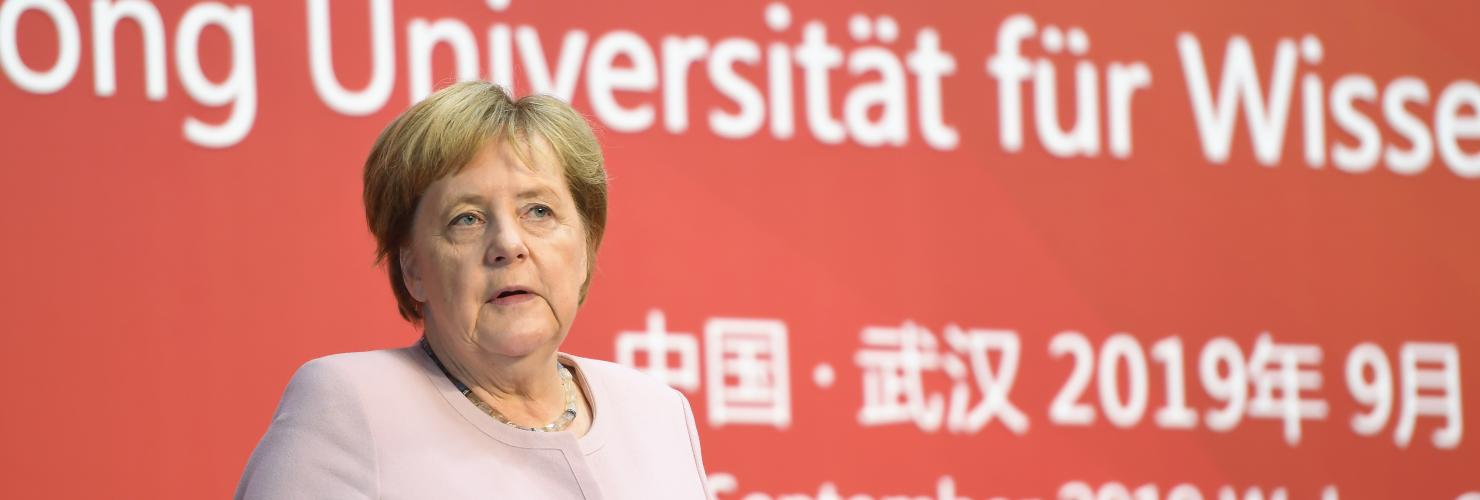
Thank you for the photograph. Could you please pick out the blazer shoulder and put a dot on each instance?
(660, 415)
(364, 365)
(320, 443)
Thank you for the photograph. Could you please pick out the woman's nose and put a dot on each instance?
(508, 243)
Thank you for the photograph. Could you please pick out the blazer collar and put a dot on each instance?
(596, 394)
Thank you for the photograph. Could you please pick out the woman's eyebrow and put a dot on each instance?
(467, 198)
(541, 191)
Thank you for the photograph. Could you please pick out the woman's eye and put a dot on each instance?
(466, 220)
(540, 212)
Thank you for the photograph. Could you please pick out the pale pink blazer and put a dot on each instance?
(388, 424)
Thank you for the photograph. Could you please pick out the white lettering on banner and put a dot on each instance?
(746, 368)
(106, 16)
(1277, 381)
(1122, 410)
(657, 342)
(1240, 85)
(679, 53)
(993, 380)
(1445, 379)
(886, 94)
(604, 77)
(1267, 108)
(750, 102)
(874, 71)
(1010, 68)
(817, 58)
(1176, 414)
(69, 46)
(1377, 393)
(724, 484)
(620, 71)
(240, 88)
(1230, 384)
(814, 57)
(1440, 385)
(896, 360)
(1066, 408)
(753, 353)
(560, 82)
(1292, 369)
(778, 81)
(382, 61)
(1080, 490)
(931, 65)
(623, 69)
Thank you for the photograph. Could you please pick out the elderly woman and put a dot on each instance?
(487, 213)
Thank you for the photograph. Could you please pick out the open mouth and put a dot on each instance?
(511, 296)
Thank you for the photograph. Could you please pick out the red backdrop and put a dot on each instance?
(163, 287)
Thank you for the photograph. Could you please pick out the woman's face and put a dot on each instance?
(498, 253)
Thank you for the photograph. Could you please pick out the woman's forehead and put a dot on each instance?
(502, 168)
(531, 153)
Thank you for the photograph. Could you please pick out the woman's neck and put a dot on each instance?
(525, 389)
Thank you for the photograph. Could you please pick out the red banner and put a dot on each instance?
(984, 250)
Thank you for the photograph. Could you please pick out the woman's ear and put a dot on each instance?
(410, 276)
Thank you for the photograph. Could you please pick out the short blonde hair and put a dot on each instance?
(438, 136)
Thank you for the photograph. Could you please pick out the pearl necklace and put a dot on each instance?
(560, 423)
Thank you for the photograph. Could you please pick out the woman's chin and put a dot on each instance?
(516, 340)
